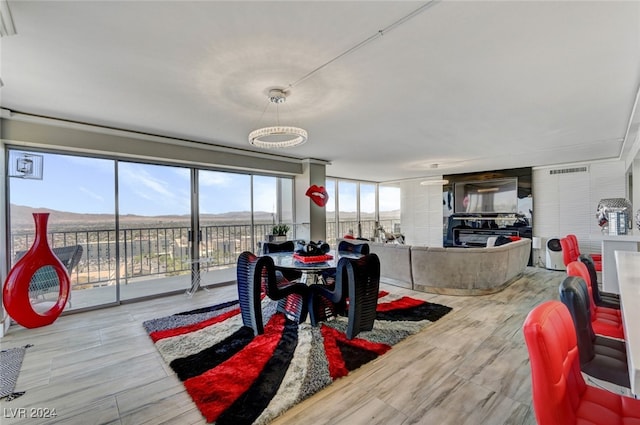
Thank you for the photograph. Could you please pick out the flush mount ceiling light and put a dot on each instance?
(488, 189)
(278, 136)
(434, 182)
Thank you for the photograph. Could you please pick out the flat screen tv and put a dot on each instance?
(487, 196)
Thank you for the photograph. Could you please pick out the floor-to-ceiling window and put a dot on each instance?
(286, 202)
(389, 207)
(352, 209)
(330, 209)
(154, 215)
(347, 208)
(79, 195)
(367, 211)
(145, 229)
(225, 215)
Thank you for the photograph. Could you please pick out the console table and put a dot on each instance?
(628, 267)
(611, 244)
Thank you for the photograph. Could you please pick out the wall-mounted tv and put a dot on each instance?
(487, 196)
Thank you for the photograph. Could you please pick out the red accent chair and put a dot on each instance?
(605, 321)
(560, 394)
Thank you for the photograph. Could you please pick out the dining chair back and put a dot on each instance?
(256, 276)
(356, 248)
(569, 253)
(271, 247)
(574, 239)
(560, 394)
(354, 294)
(605, 321)
(286, 246)
(249, 285)
(604, 359)
(603, 299)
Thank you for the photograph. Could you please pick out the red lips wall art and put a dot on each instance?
(318, 195)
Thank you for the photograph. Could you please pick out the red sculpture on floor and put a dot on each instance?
(38, 263)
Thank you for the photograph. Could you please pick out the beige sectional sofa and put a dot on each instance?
(452, 271)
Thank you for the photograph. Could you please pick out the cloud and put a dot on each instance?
(91, 194)
(214, 178)
(159, 192)
(139, 179)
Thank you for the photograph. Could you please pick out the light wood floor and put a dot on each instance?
(470, 367)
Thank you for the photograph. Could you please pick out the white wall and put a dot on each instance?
(421, 213)
(311, 218)
(566, 203)
(562, 204)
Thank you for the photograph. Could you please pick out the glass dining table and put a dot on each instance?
(311, 271)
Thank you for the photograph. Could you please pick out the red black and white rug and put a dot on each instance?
(237, 378)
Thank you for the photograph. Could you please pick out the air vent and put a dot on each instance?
(569, 170)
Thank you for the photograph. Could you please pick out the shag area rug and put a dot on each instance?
(237, 378)
(10, 364)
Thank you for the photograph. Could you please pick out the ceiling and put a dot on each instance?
(457, 87)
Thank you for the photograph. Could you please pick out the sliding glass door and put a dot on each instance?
(143, 229)
(154, 206)
(78, 193)
(224, 217)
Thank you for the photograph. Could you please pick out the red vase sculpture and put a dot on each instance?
(39, 259)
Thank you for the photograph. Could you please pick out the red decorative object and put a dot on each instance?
(318, 194)
(38, 259)
(313, 258)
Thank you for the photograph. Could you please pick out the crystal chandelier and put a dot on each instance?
(278, 136)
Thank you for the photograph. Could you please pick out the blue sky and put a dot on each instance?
(86, 185)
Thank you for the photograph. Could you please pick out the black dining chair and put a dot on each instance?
(602, 299)
(602, 359)
(354, 294)
(257, 275)
(345, 246)
(356, 248)
(286, 246)
(271, 247)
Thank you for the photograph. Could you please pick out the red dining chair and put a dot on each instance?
(597, 258)
(605, 321)
(569, 253)
(560, 394)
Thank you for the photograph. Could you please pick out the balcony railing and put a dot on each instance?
(162, 250)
